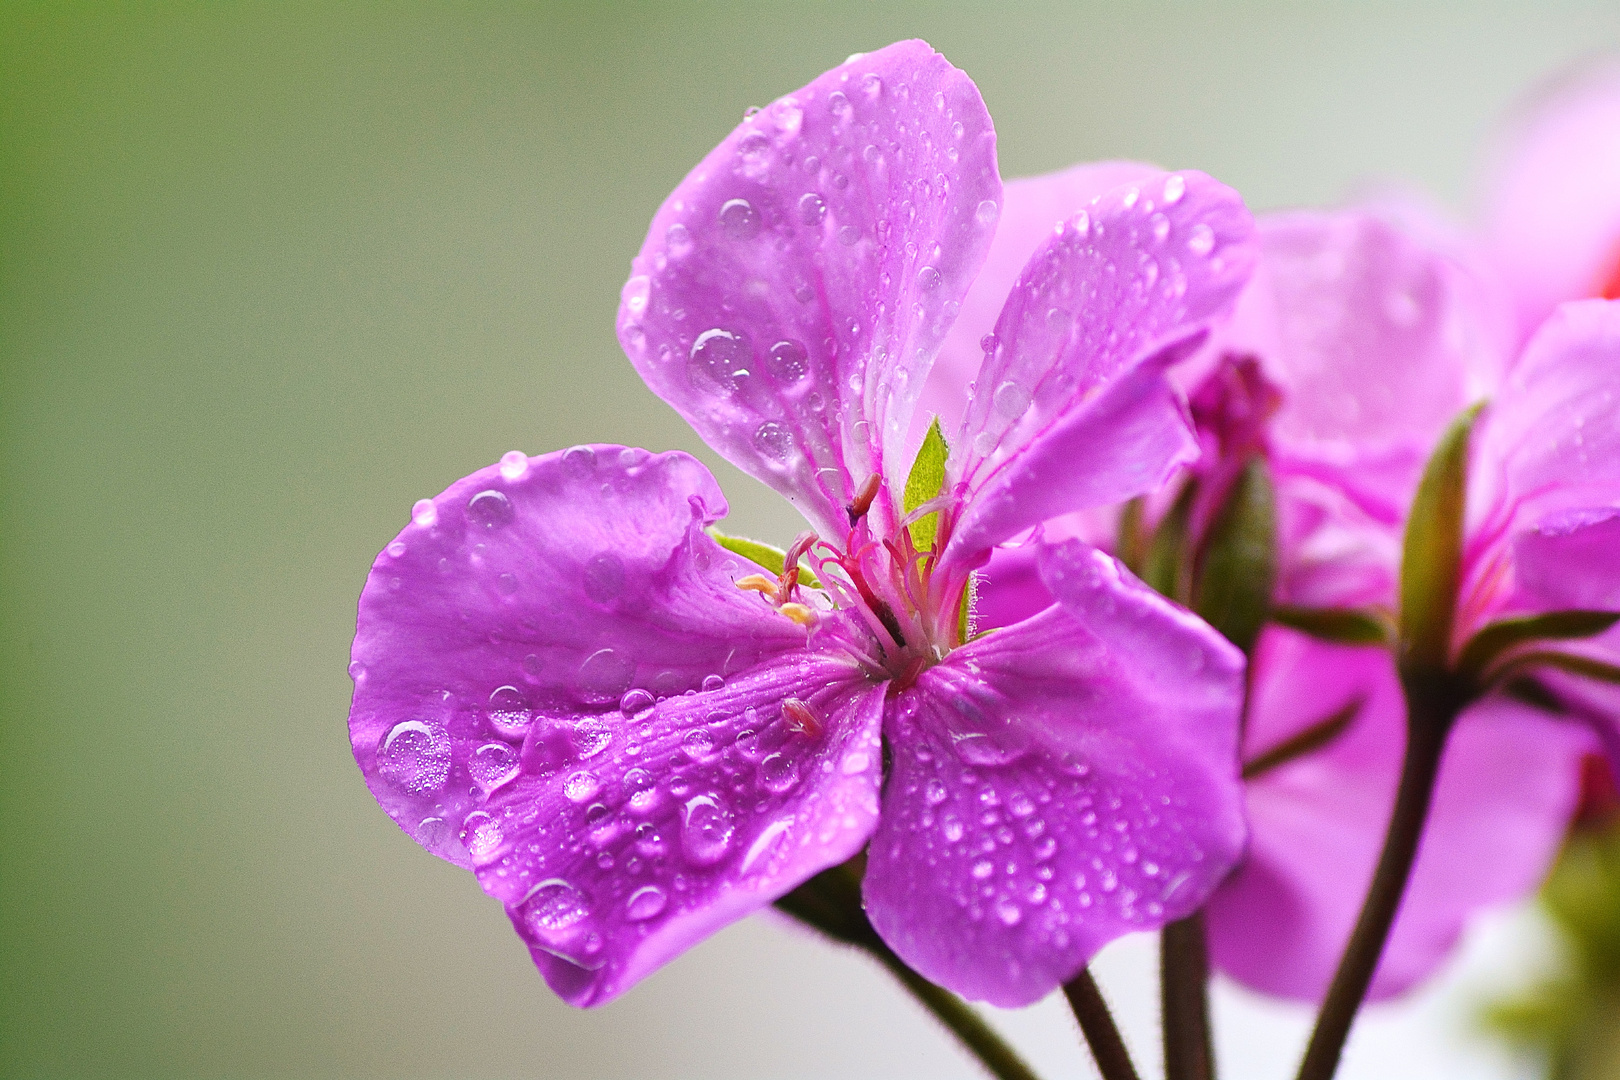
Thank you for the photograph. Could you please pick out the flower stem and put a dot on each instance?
(1429, 723)
(999, 1059)
(1184, 1000)
(1097, 1024)
(831, 903)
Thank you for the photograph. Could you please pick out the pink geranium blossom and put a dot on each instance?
(634, 735)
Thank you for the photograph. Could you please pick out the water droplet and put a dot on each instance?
(1130, 197)
(928, 279)
(424, 514)
(812, 208)
(493, 764)
(1011, 400)
(605, 676)
(604, 577)
(753, 145)
(739, 220)
(532, 666)
(856, 762)
(507, 583)
(720, 359)
(415, 757)
(849, 235)
(357, 670)
(711, 683)
(774, 440)
(553, 907)
(986, 214)
(635, 702)
(1008, 912)
(514, 463)
(952, 829)
(581, 786)
(698, 744)
(778, 773)
(705, 830)
(1160, 226)
(839, 105)
(491, 509)
(934, 792)
(580, 460)
(983, 869)
(591, 737)
(1174, 188)
(871, 86)
(481, 835)
(645, 903)
(789, 361)
(679, 240)
(1201, 239)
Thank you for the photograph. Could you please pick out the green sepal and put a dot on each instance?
(1490, 643)
(771, 558)
(1237, 567)
(1584, 666)
(1131, 537)
(964, 610)
(926, 481)
(1164, 567)
(1341, 626)
(1431, 555)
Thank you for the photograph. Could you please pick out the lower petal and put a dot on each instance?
(1051, 789)
(1506, 791)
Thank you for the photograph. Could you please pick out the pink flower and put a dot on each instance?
(1351, 350)
(634, 735)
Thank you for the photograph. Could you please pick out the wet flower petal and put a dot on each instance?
(708, 807)
(541, 600)
(1121, 291)
(794, 288)
(1052, 789)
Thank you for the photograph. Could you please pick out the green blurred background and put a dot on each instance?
(270, 273)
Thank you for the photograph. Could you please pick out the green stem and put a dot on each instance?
(1184, 1000)
(1097, 1024)
(831, 903)
(1429, 723)
(999, 1059)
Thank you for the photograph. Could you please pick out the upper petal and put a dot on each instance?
(794, 288)
(1052, 789)
(1121, 290)
(543, 587)
(1553, 199)
(1551, 440)
(1031, 207)
(1377, 338)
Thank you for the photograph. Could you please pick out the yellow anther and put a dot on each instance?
(758, 583)
(799, 613)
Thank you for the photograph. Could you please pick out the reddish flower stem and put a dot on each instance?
(1097, 1025)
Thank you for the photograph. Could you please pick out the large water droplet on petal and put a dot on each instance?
(778, 773)
(789, 362)
(481, 835)
(739, 220)
(604, 577)
(1011, 400)
(605, 676)
(774, 440)
(645, 903)
(698, 744)
(1201, 239)
(415, 757)
(581, 787)
(514, 463)
(424, 514)
(591, 737)
(635, 702)
(491, 509)
(706, 830)
(1174, 188)
(553, 907)
(493, 764)
(719, 360)
(812, 208)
